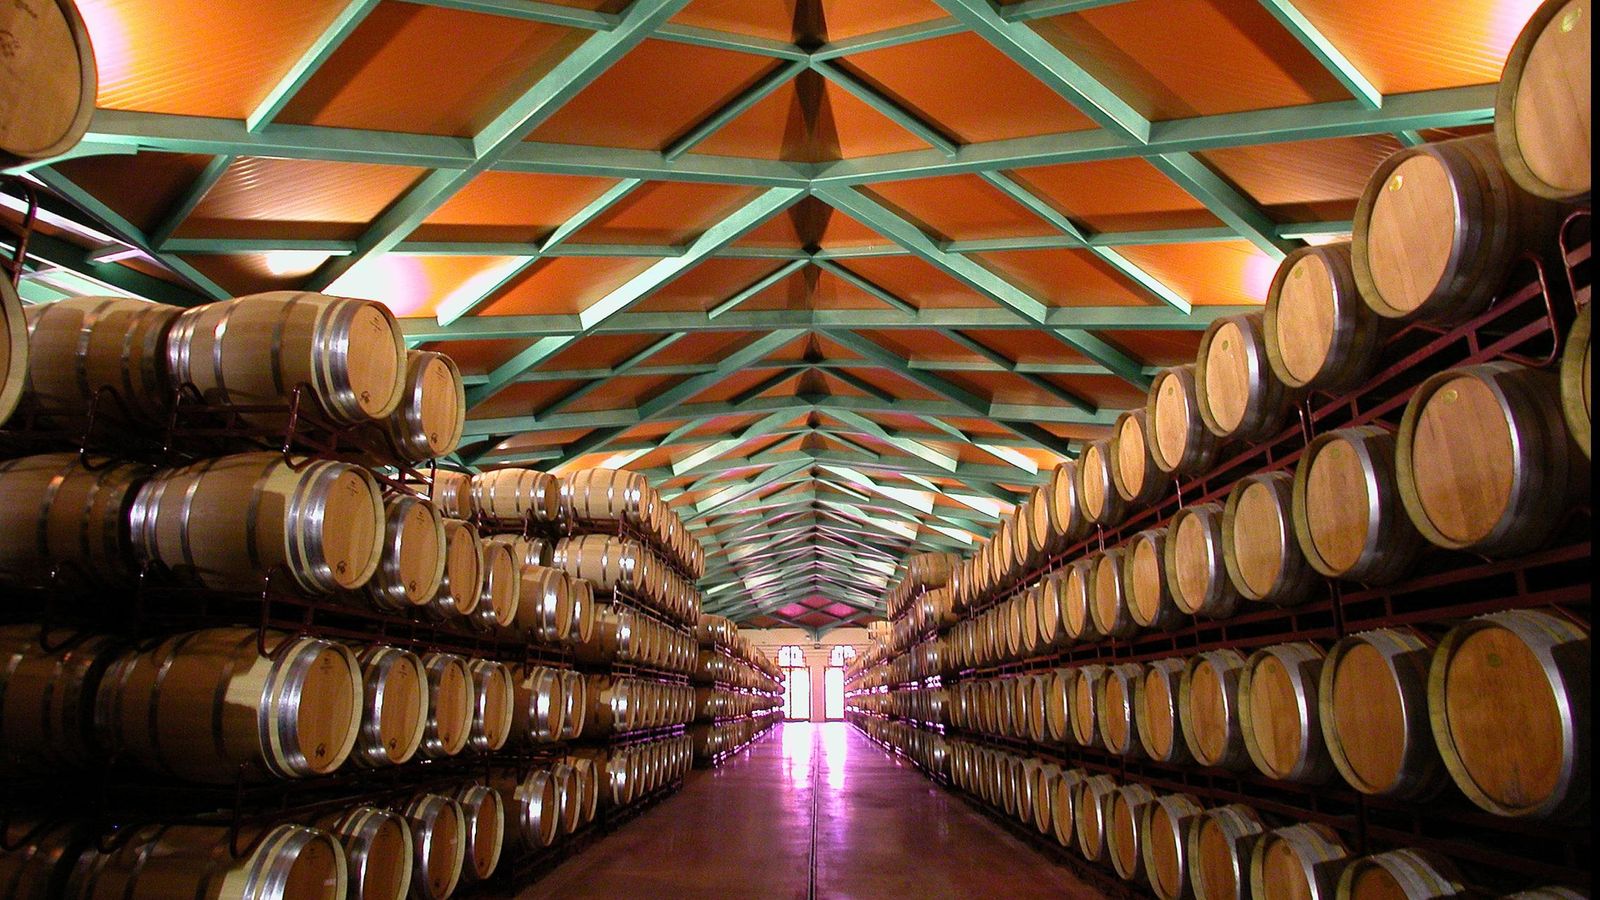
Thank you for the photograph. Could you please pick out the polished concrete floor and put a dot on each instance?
(810, 811)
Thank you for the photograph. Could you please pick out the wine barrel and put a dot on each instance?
(1147, 583)
(461, 588)
(1348, 516)
(501, 598)
(257, 350)
(1575, 381)
(377, 849)
(1063, 817)
(1239, 397)
(1279, 713)
(1180, 443)
(602, 496)
(513, 497)
(589, 784)
(569, 796)
(450, 705)
(1259, 549)
(13, 350)
(1408, 874)
(1077, 600)
(1097, 493)
(1521, 673)
(610, 563)
(587, 620)
(1541, 122)
(1320, 335)
(1133, 469)
(1164, 826)
(1066, 511)
(210, 706)
(411, 567)
(153, 862)
(1051, 620)
(1114, 705)
(1128, 805)
(1045, 779)
(1208, 709)
(537, 716)
(1507, 490)
(528, 551)
(439, 845)
(1301, 861)
(1041, 527)
(1111, 612)
(483, 814)
(227, 522)
(451, 492)
(48, 679)
(1058, 705)
(574, 689)
(1219, 851)
(1091, 810)
(37, 857)
(1197, 574)
(428, 421)
(1086, 680)
(1156, 710)
(492, 702)
(1438, 229)
(394, 710)
(534, 808)
(69, 513)
(48, 81)
(1373, 705)
(104, 353)
(545, 604)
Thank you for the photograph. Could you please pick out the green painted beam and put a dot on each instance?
(776, 77)
(537, 352)
(723, 40)
(161, 234)
(739, 492)
(621, 368)
(1033, 381)
(533, 11)
(1332, 59)
(57, 252)
(924, 131)
(1028, 10)
(299, 74)
(505, 132)
(892, 37)
(755, 287)
(851, 278)
(719, 449)
(1224, 200)
(1043, 61)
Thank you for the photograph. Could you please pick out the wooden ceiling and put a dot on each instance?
(843, 277)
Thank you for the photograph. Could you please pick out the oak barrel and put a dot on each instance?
(1508, 488)
(1066, 511)
(439, 845)
(157, 862)
(257, 350)
(1208, 709)
(48, 81)
(1219, 851)
(411, 567)
(483, 814)
(461, 588)
(1279, 712)
(1133, 469)
(1052, 623)
(451, 492)
(1058, 704)
(502, 587)
(1063, 819)
(1404, 874)
(1542, 111)
(1116, 710)
(1045, 779)
(610, 563)
(1164, 826)
(1301, 862)
(1077, 600)
(1522, 673)
(1097, 493)
(1259, 549)
(114, 347)
(1123, 837)
(601, 496)
(534, 808)
(1181, 443)
(1348, 516)
(13, 350)
(450, 705)
(377, 849)
(537, 713)
(67, 513)
(492, 700)
(1086, 681)
(1110, 609)
(512, 497)
(1438, 228)
(545, 603)
(1155, 704)
(227, 522)
(1236, 391)
(48, 679)
(394, 709)
(1575, 379)
(1091, 812)
(428, 421)
(1147, 582)
(1320, 335)
(208, 706)
(1197, 573)
(36, 857)
(1373, 701)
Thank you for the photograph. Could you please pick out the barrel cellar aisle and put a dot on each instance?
(1132, 448)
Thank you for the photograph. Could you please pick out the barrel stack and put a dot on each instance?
(1275, 589)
